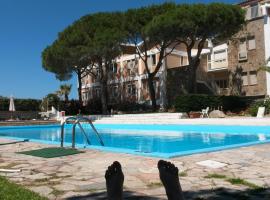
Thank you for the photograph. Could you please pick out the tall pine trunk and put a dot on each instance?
(104, 97)
(79, 87)
(152, 92)
(193, 66)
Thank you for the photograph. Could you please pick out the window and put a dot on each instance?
(97, 91)
(251, 44)
(209, 61)
(254, 11)
(181, 61)
(151, 60)
(115, 68)
(222, 84)
(114, 91)
(243, 46)
(131, 89)
(154, 59)
(268, 11)
(242, 54)
(244, 78)
(253, 77)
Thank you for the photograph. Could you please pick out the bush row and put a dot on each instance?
(20, 104)
(253, 109)
(197, 102)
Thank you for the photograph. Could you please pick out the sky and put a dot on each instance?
(28, 26)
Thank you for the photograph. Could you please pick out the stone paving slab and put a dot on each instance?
(81, 176)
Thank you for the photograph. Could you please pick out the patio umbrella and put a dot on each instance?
(11, 106)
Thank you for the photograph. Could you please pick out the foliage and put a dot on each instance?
(140, 33)
(87, 47)
(253, 109)
(49, 101)
(90, 45)
(20, 104)
(72, 107)
(197, 102)
(64, 91)
(265, 67)
(131, 107)
(11, 191)
(194, 24)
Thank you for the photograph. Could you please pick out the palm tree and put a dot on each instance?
(64, 91)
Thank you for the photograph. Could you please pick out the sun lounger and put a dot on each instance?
(260, 113)
(204, 112)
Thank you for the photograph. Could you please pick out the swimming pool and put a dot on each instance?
(163, 141)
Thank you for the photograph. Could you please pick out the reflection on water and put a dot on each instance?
(145, 141)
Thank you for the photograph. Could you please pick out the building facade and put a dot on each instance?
(229, 68)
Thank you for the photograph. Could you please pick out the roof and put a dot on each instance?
(248, 2)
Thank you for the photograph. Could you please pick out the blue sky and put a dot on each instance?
(28, 26)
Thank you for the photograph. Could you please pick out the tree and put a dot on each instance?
(104, 39)
(67, 55)
(145, 34)
(86, 47)
(48, 101)
(265, 67)
(194, 24)
(64, 91)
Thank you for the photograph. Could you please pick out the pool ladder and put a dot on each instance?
(77, 121)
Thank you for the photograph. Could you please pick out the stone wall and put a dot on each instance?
(4, 115)
(255, 57)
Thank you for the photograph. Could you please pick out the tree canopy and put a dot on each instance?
(194, 24)
(89, 45)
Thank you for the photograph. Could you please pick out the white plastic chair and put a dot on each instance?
(205, 112)
(261, 112)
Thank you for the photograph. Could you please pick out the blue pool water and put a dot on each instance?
(151, 140)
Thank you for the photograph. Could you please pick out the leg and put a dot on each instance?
(114, 181)
(168, 174)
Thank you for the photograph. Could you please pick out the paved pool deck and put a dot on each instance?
(81, 176)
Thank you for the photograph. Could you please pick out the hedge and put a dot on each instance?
(197, 102)
(21, 104)
(253, 109)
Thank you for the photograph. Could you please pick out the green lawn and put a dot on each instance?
(11, 191)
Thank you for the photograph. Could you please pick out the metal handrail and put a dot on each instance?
(77, 121)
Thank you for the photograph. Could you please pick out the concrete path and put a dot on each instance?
(245, 174)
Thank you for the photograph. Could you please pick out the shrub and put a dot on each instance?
(72, 107)
(197, 102)
(253, 109)
(21, 104)
(131, 107)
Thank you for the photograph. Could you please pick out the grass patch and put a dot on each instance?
(52, 152)
(239, 181)
(10, 165)
(236, 181)
(11, 191)
(56, 192)
(217, 176)
(154, 184)
(183, 174)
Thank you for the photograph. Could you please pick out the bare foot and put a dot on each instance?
(114, 181)
(168, 174)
